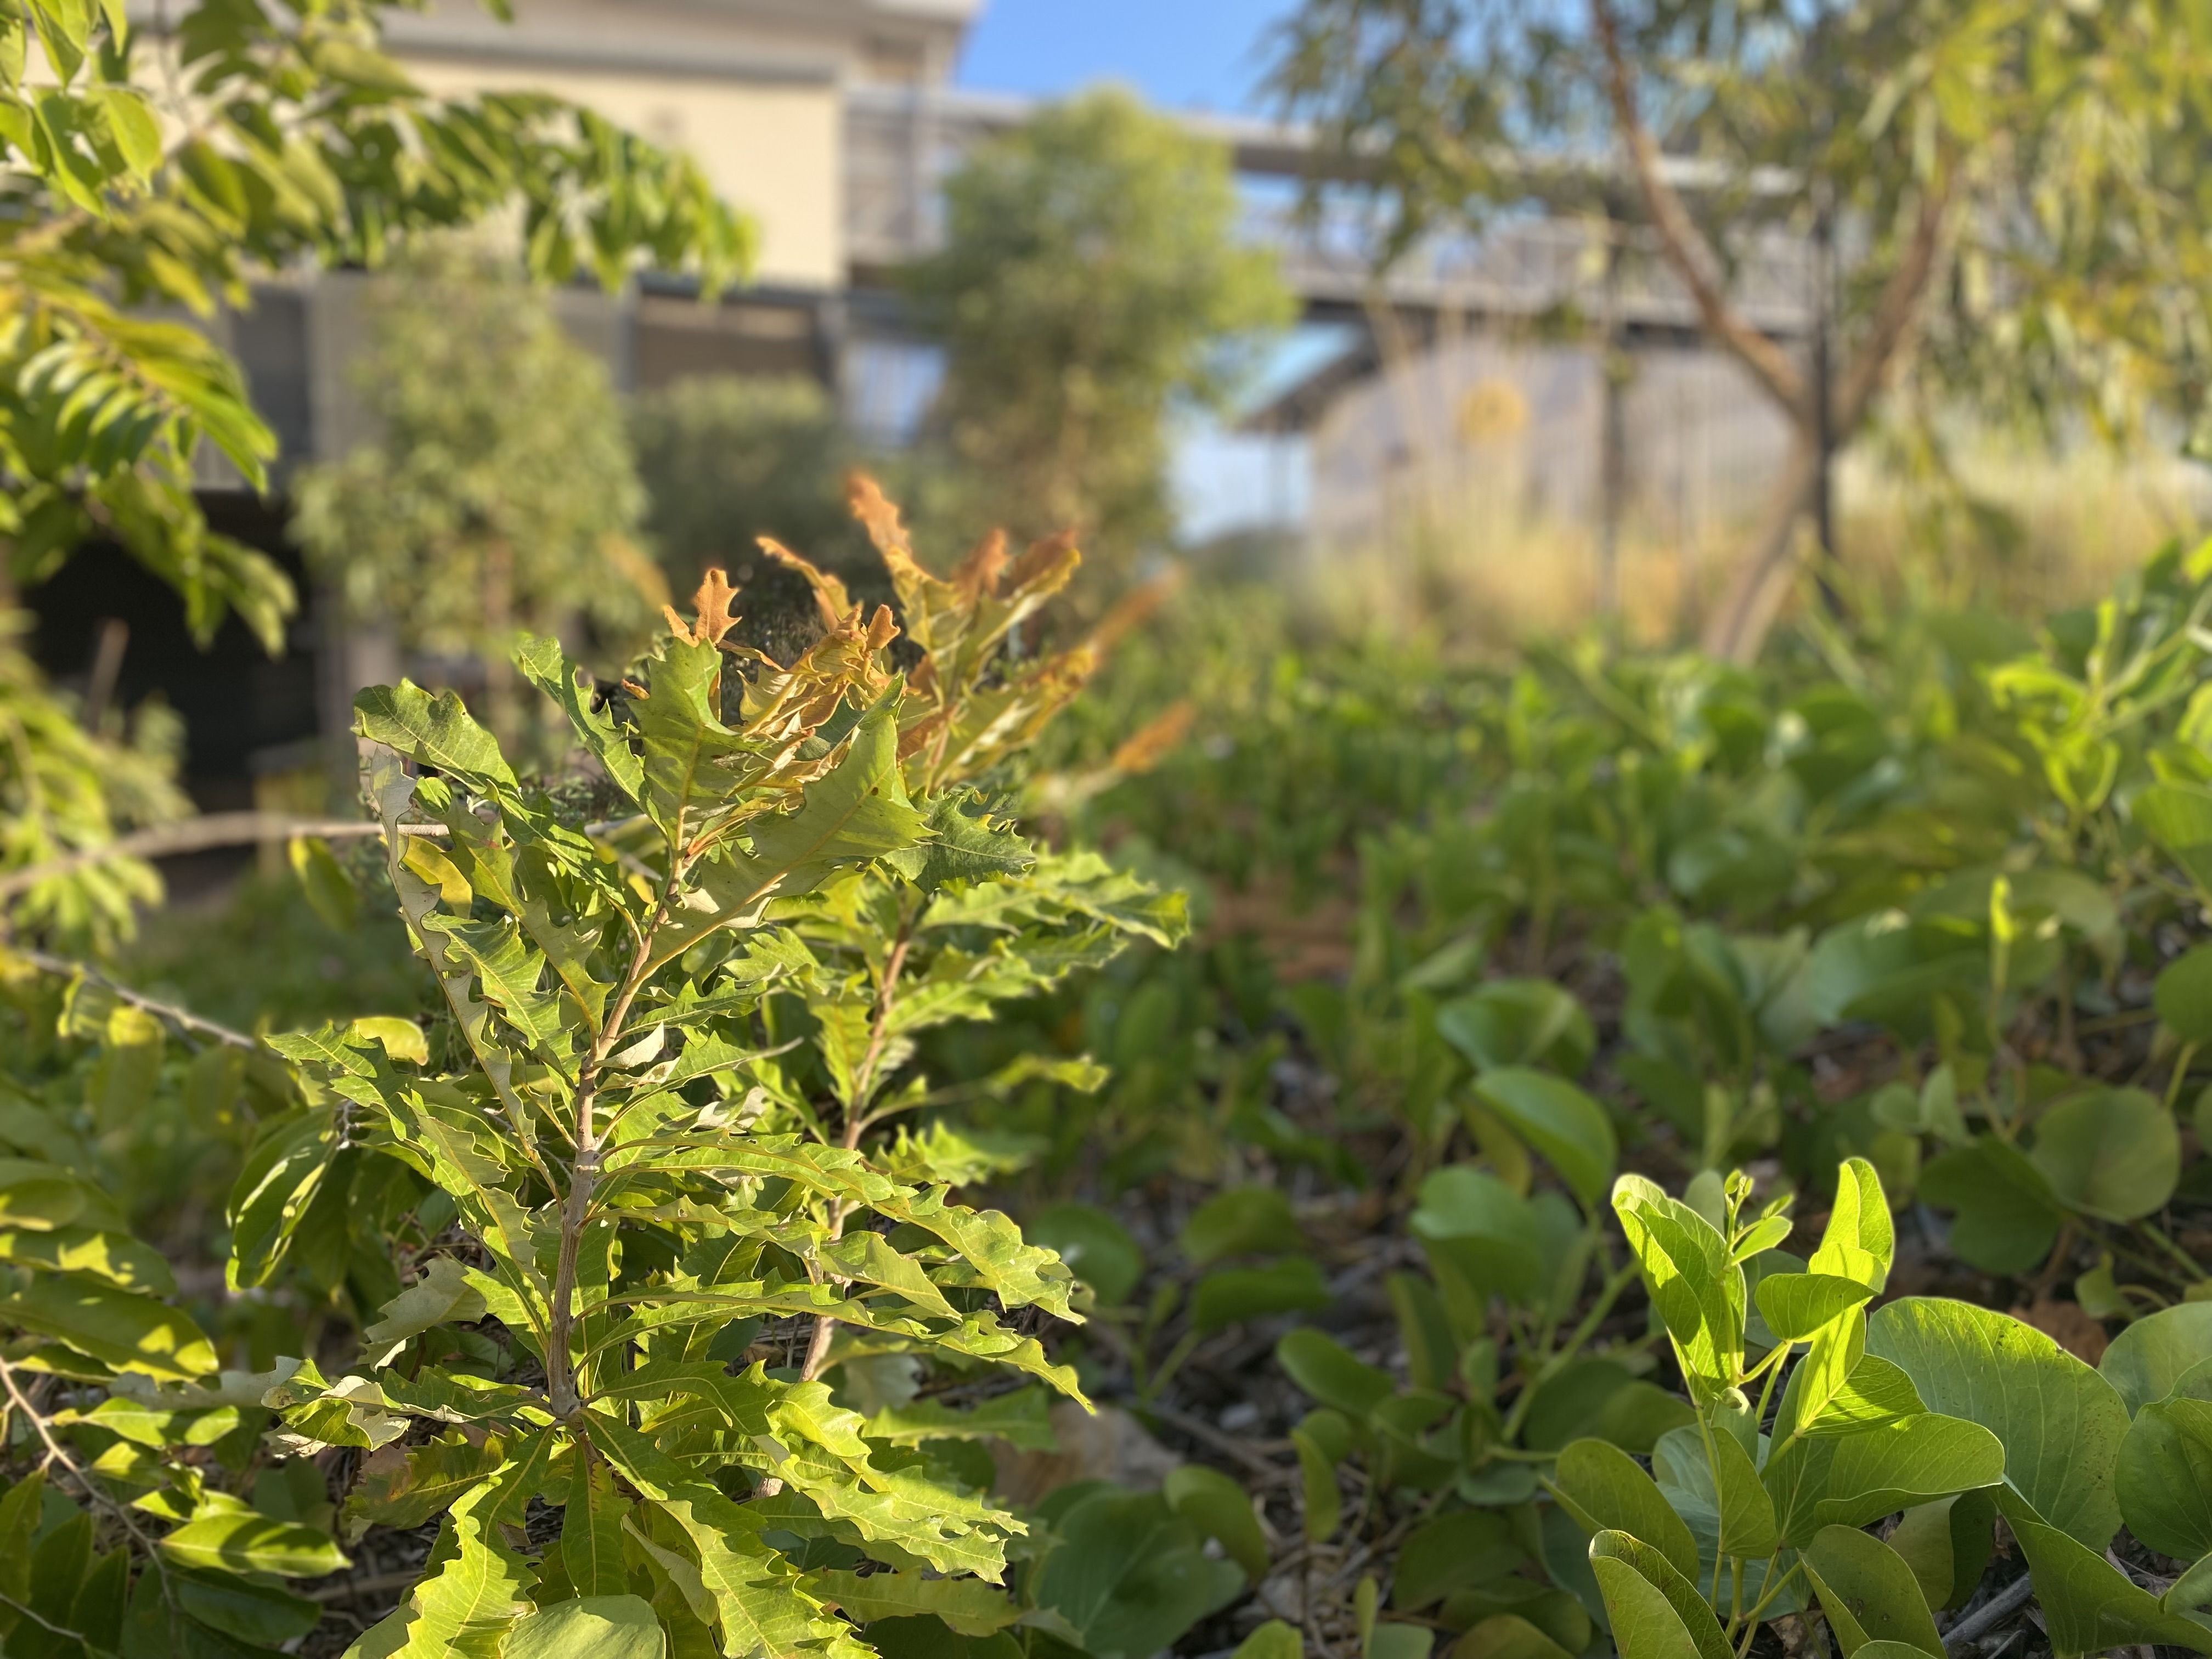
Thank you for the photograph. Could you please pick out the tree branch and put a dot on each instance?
(1685, 246)
(1896, 315)
(183, 1018)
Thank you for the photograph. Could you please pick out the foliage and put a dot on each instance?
(2014, 190)
(65, 790)
(1086, 288)
(499, 496)
(250, 137)
(726, 458)
(645, 1135)
(161, 168)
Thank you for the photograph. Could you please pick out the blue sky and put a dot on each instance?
(1185, 54)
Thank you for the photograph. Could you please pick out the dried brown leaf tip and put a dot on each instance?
(829, 594)
(980, 571)
(711, 606)
(1146, 748)
(879, 515)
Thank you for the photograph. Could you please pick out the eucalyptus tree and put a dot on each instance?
(2013, 193)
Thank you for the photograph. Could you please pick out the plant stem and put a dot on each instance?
(856, 1120)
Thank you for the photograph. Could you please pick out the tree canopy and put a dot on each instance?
(501, 496)
(2013, 192)
(1089, 281)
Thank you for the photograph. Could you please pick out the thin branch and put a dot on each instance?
(198, 835)
(1684, 246)
(1896, 315)
(183, 1018)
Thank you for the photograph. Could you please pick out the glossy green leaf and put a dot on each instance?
(129, 1333)
(2060, 1423)
(1604, 1490)
(2146, 1359)
(2087, 1606)
(1223, 1510)
(1506, 1635)
(1229, 1295)
(1655, 1612)
(2183, 994)
(241, 1540)
(2114, 1153)
(2164, 1477)
(969, 1605)
(1699, 1294)
(1272, 1640)
(589, 1628)
(1241, 1221)
(1097, 1249)
(1860, 1239)
(1328, 1374)
(1561, 1122)
(1451, 1552)
(1130, 1576)
(1869, 1592)
(1947, 1545)
(2008, 1218)
(1322, 1500)
(1849, 1479)
(1796, 1305)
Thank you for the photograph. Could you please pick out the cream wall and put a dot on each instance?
(771, 148)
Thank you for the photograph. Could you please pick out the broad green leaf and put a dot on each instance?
(114, 1256)
(967, 1605)
(1453, 1552)
(442, 1295)
(1519, 1022)
(244, 1540)
(1748, 1525)
(1021, 1419)
(1869, 1592)
(2113, 1153)
(1241, 1221)
(1501, 1636)
(1655, 1612)
(753, 1594)
(2146, 1359)
(1700, 1293)
(1797, 1305)
(618, 1626)
(279, 1181)
(473, 1589)
(1496, 1238)
(2087, 1606)
(1272, 1640)
(1223, 1510)
(1328, 1374)
(1860, 1239)
(405, 1486)
(129, 1333)
(1558, 1120)
(433, 731)
(2007, 1217)
(1231, 1295)
(1604, 1490)
(548, 667)
(1947, 1545)
(2164, 1477)
(2061, 1423)
(1130, 1576)
(1848, 1480)
(591, 1529)
(261, 1615)
(2183, 995)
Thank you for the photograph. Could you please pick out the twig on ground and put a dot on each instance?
(1989, 1616)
